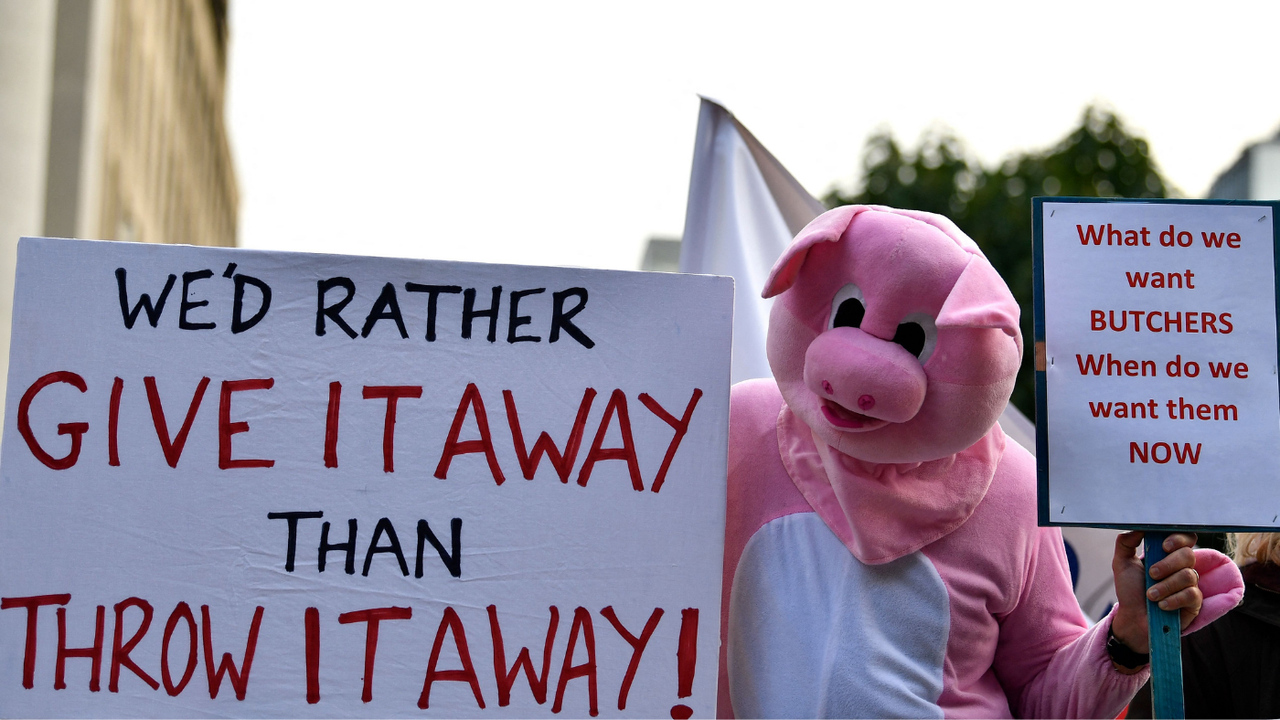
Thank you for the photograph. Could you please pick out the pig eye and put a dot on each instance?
(910, 336)
(847, 307)
(918, 333)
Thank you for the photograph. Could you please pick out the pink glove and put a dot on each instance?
(1220, 584)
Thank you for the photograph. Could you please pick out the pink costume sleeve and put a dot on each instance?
(1050, 668)
(1050, 663)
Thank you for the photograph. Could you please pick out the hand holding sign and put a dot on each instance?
(1156, 329)
(1176, 590)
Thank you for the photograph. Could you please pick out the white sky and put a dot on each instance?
(562, 133)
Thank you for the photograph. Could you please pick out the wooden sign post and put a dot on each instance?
(1164, 629)
(1157, 406)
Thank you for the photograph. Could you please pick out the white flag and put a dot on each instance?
(744, 208)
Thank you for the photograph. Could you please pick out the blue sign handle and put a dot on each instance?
(1165, 629)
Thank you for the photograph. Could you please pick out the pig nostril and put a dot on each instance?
(866, 402)
(826, 388)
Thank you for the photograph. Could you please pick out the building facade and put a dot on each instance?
(112, 126)
(661, 255)
(138, 147)
(1255, 175)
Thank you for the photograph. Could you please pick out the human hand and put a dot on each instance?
(1177, 587)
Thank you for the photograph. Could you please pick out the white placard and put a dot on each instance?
(165, 468)
(1160, 348)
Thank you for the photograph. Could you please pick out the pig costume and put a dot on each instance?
(882, 555)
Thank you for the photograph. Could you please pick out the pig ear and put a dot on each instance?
(980, 299)
(827, 227)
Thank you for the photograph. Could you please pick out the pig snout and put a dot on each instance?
(864, 375)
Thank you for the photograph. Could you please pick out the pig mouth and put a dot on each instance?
(846, 419)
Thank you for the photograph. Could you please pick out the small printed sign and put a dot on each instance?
(1156, 362)
(268, 484)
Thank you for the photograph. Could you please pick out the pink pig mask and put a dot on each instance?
(893, 339)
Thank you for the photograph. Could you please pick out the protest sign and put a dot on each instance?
(273, 484)
(1156, 364)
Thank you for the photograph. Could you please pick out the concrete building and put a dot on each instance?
(1254, 176)
(111, 126)
(661, 255)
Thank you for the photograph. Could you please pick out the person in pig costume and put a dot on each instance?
(882, 556)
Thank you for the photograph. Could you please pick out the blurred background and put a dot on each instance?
(561, 133)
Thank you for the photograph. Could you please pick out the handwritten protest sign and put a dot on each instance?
(1156, 358)
(272, 484)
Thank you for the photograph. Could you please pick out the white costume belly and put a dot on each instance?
(813, 632)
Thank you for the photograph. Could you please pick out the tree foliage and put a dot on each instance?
(1100, 158)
